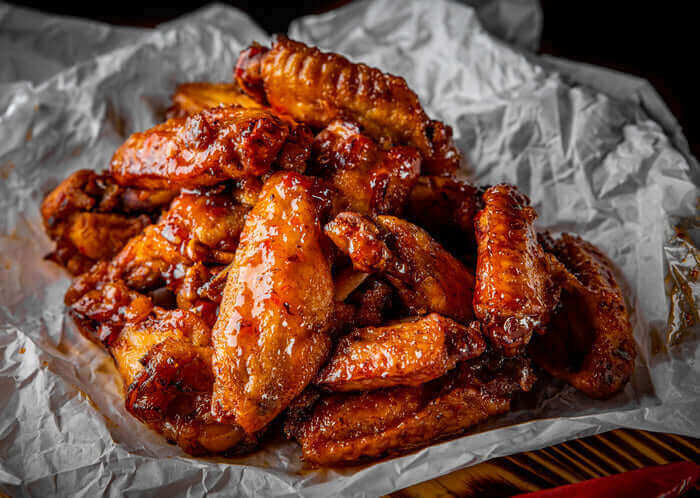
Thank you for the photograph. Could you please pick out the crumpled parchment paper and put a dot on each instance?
(597, 152)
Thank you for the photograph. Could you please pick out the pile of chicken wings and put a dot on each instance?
(292, 255)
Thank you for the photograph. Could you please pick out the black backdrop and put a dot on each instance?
(653, 40)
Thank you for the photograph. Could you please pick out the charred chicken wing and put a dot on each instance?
(515, 291)
(589, 342)
(270, 338)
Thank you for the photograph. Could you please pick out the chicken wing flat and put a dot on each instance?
(408, 353)
(515, 292)
(91, 218)
(317, 88)
(426, 277)
(202, 149)
(191, 98)
(589, 342)
(343, 428)
(199, 227)
(165, 362)
(368, 179)
(270, 338)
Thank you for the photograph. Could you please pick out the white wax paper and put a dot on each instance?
(597, 152)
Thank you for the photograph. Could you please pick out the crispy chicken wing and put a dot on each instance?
(589, 342)
(165, 362)
(426, 277)
(185, 252)
(318, 88)
(204, 149)
(407, 353)
(515, 292)
(270, 338)
(344, 428)
(191, 98)
(91, 218)
(368, 179)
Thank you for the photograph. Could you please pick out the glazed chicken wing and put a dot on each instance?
(318, 88)
(270, 338)
(515, 292)
(408, 353)
(344, 428)
(165, 362)
(185, 252)
(191, 98)
(589, 342)
(203, 149)
(91, 218)
(368, 179)
(426, 277)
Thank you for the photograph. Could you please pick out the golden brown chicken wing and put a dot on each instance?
(318, 88)
(199, 227)
(165, 362)
(368, 179)
(191, 98)
(204, 149)
(91, 218)
(426, 277)
(515, 292)
(407, 353)
(589, 342)
(270, 338)
(344, 428)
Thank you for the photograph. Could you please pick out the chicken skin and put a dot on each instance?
(589, 341)
(165, 362)
(426, 277)
(515, 291)
(191, 98)
(368, 179)
(318, 88)
(204, 149)
(407, 353)
(270, 337)
(185, 252)
(91, 218)
(344, 428)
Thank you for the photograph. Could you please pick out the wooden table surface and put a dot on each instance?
(596, 456)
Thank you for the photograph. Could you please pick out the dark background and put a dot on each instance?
(653, 40)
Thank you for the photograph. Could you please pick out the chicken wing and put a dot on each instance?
(191, 98)
(344, 428)
(515, 292)
(407, 353)
(589, 342)
(91, 218)
(368, 179)
(270, 338)
(203, 149)
(318, 88)
(426, 277)
(165, 362)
